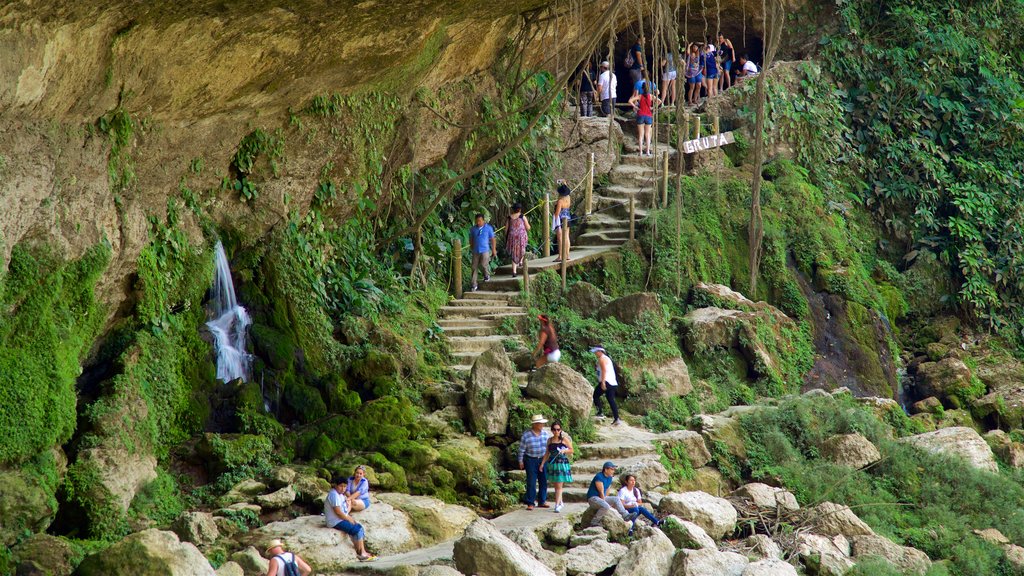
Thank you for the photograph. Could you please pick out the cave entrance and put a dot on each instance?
(740, 25)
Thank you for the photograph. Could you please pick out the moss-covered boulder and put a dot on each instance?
(148, 553)
(629, 309)
(434, 520)
(949, 379)
(45, 554)
(27, 500)
(585, 298)
(225, 452)
(488, 390)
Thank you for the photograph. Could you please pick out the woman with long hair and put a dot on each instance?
(694, 73)
(516, 235)
(644, 103)
(547, 343)
(556, 458)
(632, 502)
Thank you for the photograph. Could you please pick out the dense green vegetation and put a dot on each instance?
(922, 500)
(935, 106)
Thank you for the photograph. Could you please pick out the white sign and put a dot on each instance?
(708, 142)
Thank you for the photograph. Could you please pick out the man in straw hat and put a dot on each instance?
(532, 446)
(284, 563)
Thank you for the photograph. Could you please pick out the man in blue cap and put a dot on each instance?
(599, 490)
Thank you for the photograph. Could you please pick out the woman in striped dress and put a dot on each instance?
(559, 470)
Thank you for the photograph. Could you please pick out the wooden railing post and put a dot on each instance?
(714, 125)
(697, 128)
(664, 179)
(457, 262)
(546, 251)
(563, 246)
(590, 184)
(632, 218)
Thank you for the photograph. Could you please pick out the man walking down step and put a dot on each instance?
(606, 384)
(532, 447)
(484, 245)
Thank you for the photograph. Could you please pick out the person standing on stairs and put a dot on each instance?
(606, 384)
(533, 447)
(586, 99)
(562, 211)
(547, 343)
(710, 70)
(516, 236)
(644, 104)
(607, 85)
(559, 470)
(728, 59)
(484, 245)
(635, 61)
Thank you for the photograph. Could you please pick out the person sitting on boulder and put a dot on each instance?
(631, 503)
(285, 563)
(547, 343)
(357, 490)
(598, 492)
(336, 514)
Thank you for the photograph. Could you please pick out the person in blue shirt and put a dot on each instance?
(599, 491)
(483, 244)
(638, 86)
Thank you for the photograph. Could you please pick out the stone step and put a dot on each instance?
(481, 312)
(631, 174)
(463, 323)
(617, 208)
(505, 296)
(624, 193)
(503, 282)
(477, 302)
(486, 329)
(603, 237)
(501, 317)
(478, 344)
(465, 358)
(632, 158)
(608, 222)
(614, 450)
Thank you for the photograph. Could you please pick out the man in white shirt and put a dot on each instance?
(747, 68)
(607, 85)
(607, 384)
(336, 515)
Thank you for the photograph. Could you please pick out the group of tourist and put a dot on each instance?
(708, 69)
(483, 237)
(547, 351)
(346, 497)
(544, 456)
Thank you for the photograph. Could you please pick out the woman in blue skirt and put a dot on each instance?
(559, 470)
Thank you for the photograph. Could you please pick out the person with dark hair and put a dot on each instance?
(635, 61)
(668, 78)
(559, 470)
(727, 58)
(710, 71)
(631, 503)
(336, 514)
(747, 68)
(694, 73)
(607, 384)
(483, 246)
(547, 343)
(516, 236)
(644, 104)
(598, 492)
(586, 94)
(562, 211)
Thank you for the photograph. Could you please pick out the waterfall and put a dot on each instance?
(229, 324)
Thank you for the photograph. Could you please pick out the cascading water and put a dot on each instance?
(229, 325)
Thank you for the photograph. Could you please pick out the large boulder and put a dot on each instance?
(44, 554)
(252, 563)
(719, 428)
(561, 385)
(592, 558)
(824, 556)
(647, 469)
(853, 450)
(761, 336)
(768, 497)
(708, 562)
(585, 135)
(122, 473)
(629, 309)
(281, 498)
(148, 553)
(25, 504)
(692, 443)
(650, 383)
(686, 534)
(959, 441)
(1005, 448)
(230, 568)
(943, 378)
(585, 299)
(907, 559)
(1005, 405)
(528, 540)
(434, 520)
(487, 393)
(651, 556)
(388, 531)
(715, 515)
(483, 550)
(833, 519)
(769, 567)
(198, 528)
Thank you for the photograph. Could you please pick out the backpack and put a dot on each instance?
(290, 568)
(629, 61)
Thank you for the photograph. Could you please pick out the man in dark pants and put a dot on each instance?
(636, 71)
(606, 383)
(532, 446)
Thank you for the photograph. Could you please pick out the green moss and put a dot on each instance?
(322, 449)
(48, 323)
(159, 501)
(229, 453)
(305, 400)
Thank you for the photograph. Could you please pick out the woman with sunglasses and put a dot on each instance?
(556, 458)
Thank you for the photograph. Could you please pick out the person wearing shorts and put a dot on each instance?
(644, 104)
(728, 57)
(668, 79)
(357, 490)
(710, 71)
(547, 343)
(694, 73)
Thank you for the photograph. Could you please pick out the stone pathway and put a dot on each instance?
(472, 322)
